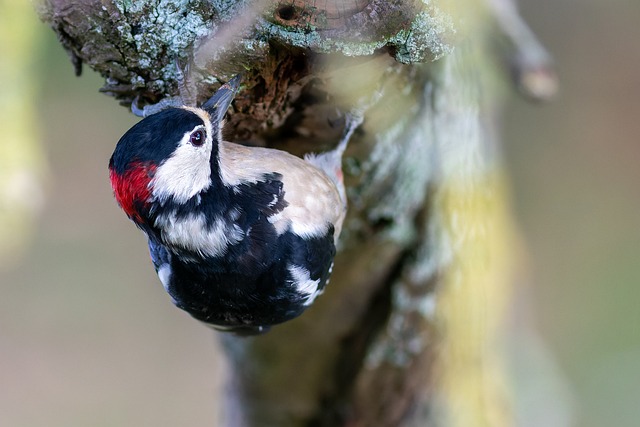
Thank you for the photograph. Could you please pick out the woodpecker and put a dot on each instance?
(242, 238)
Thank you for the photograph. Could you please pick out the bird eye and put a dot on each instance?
(197, 138)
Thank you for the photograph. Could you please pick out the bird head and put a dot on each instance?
(170, 156)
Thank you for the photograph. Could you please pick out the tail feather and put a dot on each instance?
(331, 161)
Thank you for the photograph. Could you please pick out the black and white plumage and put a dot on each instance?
(241, 237)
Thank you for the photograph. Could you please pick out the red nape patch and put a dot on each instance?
(132, 188)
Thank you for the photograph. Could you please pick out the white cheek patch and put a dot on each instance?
(303, 283)
(193, 234)
(186, 173)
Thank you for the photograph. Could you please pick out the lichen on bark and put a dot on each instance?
(135, 45)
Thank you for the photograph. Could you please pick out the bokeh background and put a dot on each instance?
(88, 337)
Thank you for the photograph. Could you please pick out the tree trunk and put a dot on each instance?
(407, 332)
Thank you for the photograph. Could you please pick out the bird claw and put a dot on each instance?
(148, 110)
(186, 89)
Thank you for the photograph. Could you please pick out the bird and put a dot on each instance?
(242, 238)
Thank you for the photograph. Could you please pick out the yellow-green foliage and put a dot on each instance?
(21, 160)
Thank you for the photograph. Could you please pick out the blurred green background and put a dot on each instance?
(575, 168)
(88, 337)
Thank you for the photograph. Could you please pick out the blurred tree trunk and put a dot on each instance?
(407, 333)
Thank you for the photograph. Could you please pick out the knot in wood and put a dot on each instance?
(317, 14)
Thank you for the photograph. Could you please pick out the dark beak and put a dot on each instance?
(218, 104)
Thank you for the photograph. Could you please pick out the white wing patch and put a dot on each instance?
(193, 234)
(303, 283)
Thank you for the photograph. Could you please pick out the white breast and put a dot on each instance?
(193, 234)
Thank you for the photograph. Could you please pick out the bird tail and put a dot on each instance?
(330, 162)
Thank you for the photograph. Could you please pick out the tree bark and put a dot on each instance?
(407, 332)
